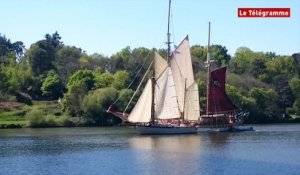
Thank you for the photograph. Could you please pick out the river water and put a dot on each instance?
(273, 149)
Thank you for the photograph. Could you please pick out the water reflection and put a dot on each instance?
(219, 139)
(167, 143)
(170, 152)
(122, 151)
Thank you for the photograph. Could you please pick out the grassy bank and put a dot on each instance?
(40, 114)
(14, 117)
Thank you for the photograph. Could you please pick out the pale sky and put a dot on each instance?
(107, 26)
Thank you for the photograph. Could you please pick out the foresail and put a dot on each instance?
(142, 110)
(160, 65)
(166, 105)
(181, 65)
(192, 109)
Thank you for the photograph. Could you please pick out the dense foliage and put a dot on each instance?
(263, 83)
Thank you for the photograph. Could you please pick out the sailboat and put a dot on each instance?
(220, 112)
(169, 102)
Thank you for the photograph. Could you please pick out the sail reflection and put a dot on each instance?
(170, 151)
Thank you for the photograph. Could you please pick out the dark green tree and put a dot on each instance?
(6, 46)
(42, 54)
(67, 61)
(282, 87)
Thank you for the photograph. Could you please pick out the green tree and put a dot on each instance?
(82, 77)
(295, 86)
(78, 86)
(104, 80)
(4, 83)
(241, 60)
(281, 65)
(52, 87)
(67, 61)
(96, 103)
(296, 58)
(118, 60)
(42, 54)
(265, 100)
(124, 98)
(219, 53)
(6, 47)
(284, 91)
(39, 60)
(296, 107)
(120, 80)
(132, 61)
(72, 101)
(235, 94)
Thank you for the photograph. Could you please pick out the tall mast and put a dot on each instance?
(208, 70)
(152, 101)
(168, 33)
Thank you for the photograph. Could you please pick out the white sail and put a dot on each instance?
(181, 64)
(166, 105)
(160, 65)
(142, 110)
(192, 109)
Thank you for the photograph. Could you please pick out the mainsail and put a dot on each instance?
(166, 105)
(181, 65)
(218, 100)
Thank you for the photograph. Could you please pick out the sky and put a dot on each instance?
(108, 26)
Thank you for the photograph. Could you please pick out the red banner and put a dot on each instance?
(264, 12)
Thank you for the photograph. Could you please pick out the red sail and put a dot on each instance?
(218, 99)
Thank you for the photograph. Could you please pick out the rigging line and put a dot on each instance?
(173, 31)
(129, 84)
(138, 86)
(136, 75)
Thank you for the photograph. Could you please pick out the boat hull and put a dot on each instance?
(232, 128)
(236, 129)
(165, 130)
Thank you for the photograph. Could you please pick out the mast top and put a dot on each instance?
(169, 34)
(208, 46)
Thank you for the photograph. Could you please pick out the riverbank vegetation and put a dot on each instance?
(52, 84)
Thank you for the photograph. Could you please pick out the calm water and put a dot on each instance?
(273, 149)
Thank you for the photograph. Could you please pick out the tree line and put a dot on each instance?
(263, 83)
